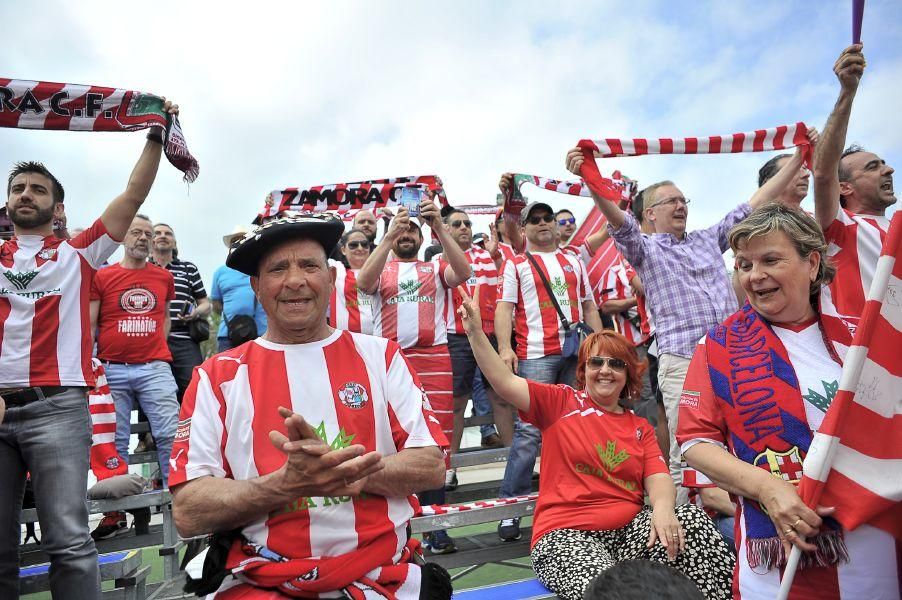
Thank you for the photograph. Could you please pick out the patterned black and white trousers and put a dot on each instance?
(567, 560)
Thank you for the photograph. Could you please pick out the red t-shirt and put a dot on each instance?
(133, 313)
(593, 462)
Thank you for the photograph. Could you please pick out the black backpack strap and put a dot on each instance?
(557, 307)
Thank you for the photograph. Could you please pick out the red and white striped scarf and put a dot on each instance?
(344, 197)
(616, 188)
(761, 140)
(105, 460)
(65, 106)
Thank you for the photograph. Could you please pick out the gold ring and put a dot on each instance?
(799, 520)
(788, 531)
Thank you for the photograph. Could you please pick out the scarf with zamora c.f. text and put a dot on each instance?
(758, 393)
(347, 197)
(65, 106)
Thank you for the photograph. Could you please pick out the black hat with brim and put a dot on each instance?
(246, 252)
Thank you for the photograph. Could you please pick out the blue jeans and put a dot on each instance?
(51, 439)
(153, 386)
(522, 458)
(481, 405)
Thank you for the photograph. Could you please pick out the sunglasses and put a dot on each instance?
(540, 219)
(357, 244)
(616, 364)
(570, 221)
(460, 223)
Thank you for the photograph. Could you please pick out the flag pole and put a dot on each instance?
(789, 573)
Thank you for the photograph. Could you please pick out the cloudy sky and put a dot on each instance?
(298, 94)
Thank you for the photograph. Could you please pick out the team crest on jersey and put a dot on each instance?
(47, 253)
(568, 268)
(137, 301)
(311, 575)
(353, 395)
(183, 431)
(425, 269)
(112, 463)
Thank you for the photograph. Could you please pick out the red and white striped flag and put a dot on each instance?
(606, 255)
(855, 460)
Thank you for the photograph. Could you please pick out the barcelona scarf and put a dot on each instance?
(310, 577)
(758, 393)
(345, 197)
(64, 106)
(761, 140)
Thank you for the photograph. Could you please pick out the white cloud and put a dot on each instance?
(276, 93)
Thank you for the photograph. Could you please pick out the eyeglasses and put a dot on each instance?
(570, 221)
(616, 364)
(540, 219)
(358, 244)
(671, 202)
(459, 223)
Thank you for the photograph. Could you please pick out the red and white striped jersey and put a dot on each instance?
(45, 326)
(349, 308)
(484, 276)
(537, 327)
(615, 285)
(351, 388)
(854, 243)
(410, 303)
(507, 252)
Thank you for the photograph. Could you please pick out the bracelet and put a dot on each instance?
(155, 137)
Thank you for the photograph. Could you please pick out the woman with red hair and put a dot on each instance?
(599, 460)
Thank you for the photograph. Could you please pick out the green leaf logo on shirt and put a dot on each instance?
(342, 440)
(609, 457)
(559, 286)
(409, 287)
(20, 280)
(822, 402)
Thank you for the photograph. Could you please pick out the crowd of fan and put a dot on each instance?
(491, 318)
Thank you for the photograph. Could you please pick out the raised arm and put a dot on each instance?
(513, 389)
(849, 68)
(368, 276)
(119, 214)
(613, 213)
(514, 236)
(458, 269)
(774, 186)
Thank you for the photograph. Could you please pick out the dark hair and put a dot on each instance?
(770, 168)
(431, 251)
(611, 343)
(563, 210)
(639, 580)
(347, 235)
(35, 167)
(446, 214)
(637, 206)
(447, 210)
(843, 172)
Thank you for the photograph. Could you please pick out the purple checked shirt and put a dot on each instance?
(686, 283)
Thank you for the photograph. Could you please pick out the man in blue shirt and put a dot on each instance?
(232, 296)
